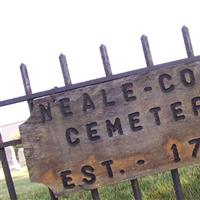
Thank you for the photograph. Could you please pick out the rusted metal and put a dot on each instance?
(6, 170)
(10, 143)
(105, 60)
(177, 184)
(95, 194)
(146, 50)
(136, 189)
(91, 82)
(187, 42)
(26, 83)
(52, 196)
(65, 70)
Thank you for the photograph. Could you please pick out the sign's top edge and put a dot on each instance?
(98, 81)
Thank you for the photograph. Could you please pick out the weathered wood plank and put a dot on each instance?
(117, 130)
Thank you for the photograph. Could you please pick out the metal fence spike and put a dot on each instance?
(65, 70)
(146, 50)
(105, 60)
(26, 83)
(187, 41)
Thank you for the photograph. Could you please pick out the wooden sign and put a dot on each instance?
(114, 129)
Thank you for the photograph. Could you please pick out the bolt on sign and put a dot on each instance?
(116, 128)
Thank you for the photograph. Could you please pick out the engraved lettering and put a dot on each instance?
(105, 99)
(45, 113)
(87, 103)
(114, 127)
(133, 120)
(185, 75)
(72, 140)
(108, 164)
(65, 107)
(67, 179)
(195, 105)
(155, 113)
(177, 111)
(87, 171)
(163, 81)
(195, 141)
(175, 153)
(91, 132)
(128, 92)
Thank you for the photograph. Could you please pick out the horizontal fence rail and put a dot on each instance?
(91, 82)
(29, 97)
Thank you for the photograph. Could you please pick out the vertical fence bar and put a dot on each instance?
(52, 195)
(105, 60)
(65, 70)
(146, 50)
(108, 72)
(149, 63)
(6, 170)
(190, 53)
(177, 184)
(26, 83)
(187, 42)
(136, 189)
(28, 91)
(67, 81)
(174, 172)
(95, 194)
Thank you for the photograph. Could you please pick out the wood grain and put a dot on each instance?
(119, 130)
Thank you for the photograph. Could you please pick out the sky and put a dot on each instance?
(35, 32)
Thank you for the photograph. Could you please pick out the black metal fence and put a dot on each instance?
(67, 80)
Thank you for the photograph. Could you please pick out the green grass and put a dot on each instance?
(157, 187)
